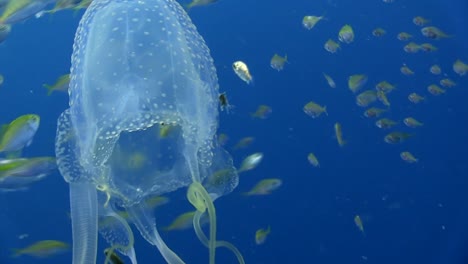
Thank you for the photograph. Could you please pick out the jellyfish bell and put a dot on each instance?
(136, 66)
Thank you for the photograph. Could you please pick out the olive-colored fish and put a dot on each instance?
(277, 62)
(346, 34)
(339, 134)
(244, 142)
(412, 47)
(411, 122)
(18, 174)
(356, 82)
(397, 137)
(385, 123)
(435, 69)
(330, 81)
(374, 112)
(196, 3)
(223, 139)
(261, 235)
(331, 46)
(408, 157)
(434, 89)
(182, 222)
(61, 84)
(420, 21)
(262, 112)
(309, 21)
(382, 96)
(242, 71)
(405, 70)
(365, 98)
(447, 82)
(378, 32)
(314, 110)
(359, 224)
(428, 47)
(251, 162)
(42, 249)
(434, 33)
(415, 98)
(403, 36)
(313, 160)
(385, 87)
(265, 187)
(19, 133)
(460, 68)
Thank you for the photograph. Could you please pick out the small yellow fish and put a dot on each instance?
(396, 137)
(447, 82)
(19, 133)
(359, 224)
(261, 235)
(244, 142)
(339, 134)
(330, 81)
(411, 47)
(366, 98)
(42, 249)
(405, 70)
(313, 160)
(408, 157)
(433, 33)
(277, 62)
(385, 123)
(374, 112)
(434, 89)
(420, 21)
(435, 69)
(460, 68)
(182, 222)
(378, 32)
(61, 84)
(265, 187)
(309, 21)
(242, 71)
(314, 110)
(411, 122)
(196, 3)
(262, 112)
(251, 162)
(356, 82)
(346, 34)
(331, 46)
(428, 47)
(415, 98)
(403, 36)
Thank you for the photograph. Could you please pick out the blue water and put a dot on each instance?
(412, 213)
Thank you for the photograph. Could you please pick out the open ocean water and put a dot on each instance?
(410, 212)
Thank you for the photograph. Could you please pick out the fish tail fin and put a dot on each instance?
(50, 89)
(325, 110)
(251, 81)
(187, 7)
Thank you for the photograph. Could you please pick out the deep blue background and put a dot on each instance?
(404, 206)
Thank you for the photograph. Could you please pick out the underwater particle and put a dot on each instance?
(408, 157)
(434, 89)
(314, 110)
(313, 160)
(396, 137)
(251, 162)
(330, 81)
(434, 33)
(242, 71)
(339, 134)
(385, 123)
(412, 122)
(309, 22)
(356, 82)
(331, 46)
(262, 112)
(277, 62)
(346, 34)
(460, 68)
(265, 187)
(261, 235)
(415, 98)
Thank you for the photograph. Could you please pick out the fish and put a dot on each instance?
(261, 235)
(314, 110)
(331, 46)
(277, 62)
(251, 162)
(61, 84)
(339, 134)
(242, 71)
(19, 133)
(265, 187)
(346, 34)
